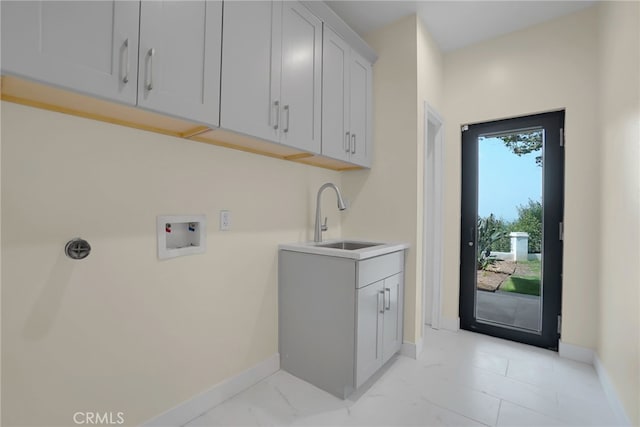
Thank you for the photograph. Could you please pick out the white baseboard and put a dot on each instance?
(197, 405)
(411, 350)
(450, 324)
(575, 352)
(616, 405)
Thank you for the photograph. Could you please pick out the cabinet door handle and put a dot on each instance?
(353, 144)
(382, 309)
(277, 105)
(388, 300)
(286, 110)
(347, 142)
(125, 77)
(151, 54)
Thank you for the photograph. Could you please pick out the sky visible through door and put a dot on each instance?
(506, 180)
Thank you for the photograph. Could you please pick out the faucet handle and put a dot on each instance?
(324, 226)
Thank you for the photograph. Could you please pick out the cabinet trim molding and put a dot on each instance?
(330, 18)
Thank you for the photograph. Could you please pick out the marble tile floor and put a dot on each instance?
(460, 379)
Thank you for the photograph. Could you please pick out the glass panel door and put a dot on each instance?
(511, 228)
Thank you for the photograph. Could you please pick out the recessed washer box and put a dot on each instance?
(180, 235)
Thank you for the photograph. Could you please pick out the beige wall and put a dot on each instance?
(547, 67)
(387, 200)
(121, 330)
(619, 296)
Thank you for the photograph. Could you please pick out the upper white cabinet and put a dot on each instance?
(275, 77)
(92, 47)
(347, 102)
(179, 59)
(271, 73)
(249, 92)
(336, 138)
(301, 90)
(87, 46)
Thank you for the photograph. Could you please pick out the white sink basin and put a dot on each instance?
(348, 245)
(348, 248)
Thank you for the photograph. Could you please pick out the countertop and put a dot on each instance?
(358, 254)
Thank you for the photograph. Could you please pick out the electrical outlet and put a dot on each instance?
(225, 220)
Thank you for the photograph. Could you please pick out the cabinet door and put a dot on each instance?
(369, 331)
(301, 78)
(360, 110)
(335, 96)
(392, 329)
(179, 62)
(87, 46)
(251, 44)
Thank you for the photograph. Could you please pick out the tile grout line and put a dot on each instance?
(554, 418)
(453, 411)
(499, 410)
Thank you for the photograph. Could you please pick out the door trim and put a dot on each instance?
(433, 217)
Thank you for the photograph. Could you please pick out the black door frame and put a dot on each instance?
(553, 212)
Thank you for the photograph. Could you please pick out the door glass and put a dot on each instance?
(509, 229)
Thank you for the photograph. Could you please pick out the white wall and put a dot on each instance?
(619, 297)
(121, 330)
(547, 67)
(387, 201)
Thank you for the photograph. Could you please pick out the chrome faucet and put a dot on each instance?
(319, 228)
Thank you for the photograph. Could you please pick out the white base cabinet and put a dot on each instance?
(378, 325)
(340, 319)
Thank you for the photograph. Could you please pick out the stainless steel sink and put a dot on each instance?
(348, 246)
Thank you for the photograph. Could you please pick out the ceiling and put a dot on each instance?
(456, 24)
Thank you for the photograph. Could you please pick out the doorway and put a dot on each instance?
(511, 228)
(433, 204)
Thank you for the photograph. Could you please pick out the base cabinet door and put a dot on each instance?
(369, 331)
(87, 46)
(392, 329)
(179, 62)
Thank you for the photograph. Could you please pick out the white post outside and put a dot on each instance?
(519, 245)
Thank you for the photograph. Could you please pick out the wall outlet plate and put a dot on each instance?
(225, 220)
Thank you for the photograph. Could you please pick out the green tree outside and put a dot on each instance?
(529, 220)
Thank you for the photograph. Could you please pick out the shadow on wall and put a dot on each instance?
(353, 183)
(47, 306)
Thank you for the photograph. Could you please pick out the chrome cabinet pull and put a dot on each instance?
(277, 105)
(353, 145)
(347, 142)
(286, 109)
(125, 77)
(151, 54)
(381, 293)
(388, 304)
